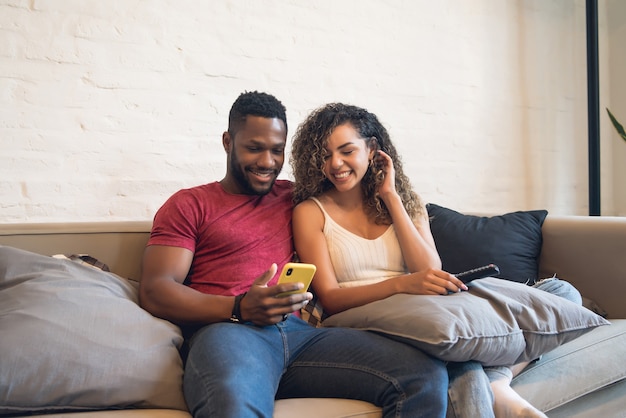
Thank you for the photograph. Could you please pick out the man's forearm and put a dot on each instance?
(166, 298)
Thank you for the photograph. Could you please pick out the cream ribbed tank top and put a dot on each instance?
(357, 260)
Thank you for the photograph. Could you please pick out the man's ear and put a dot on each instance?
(227, 142)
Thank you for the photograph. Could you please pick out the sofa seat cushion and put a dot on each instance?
(122, 413)
(74, 338)
(610, 401)
(325, 408)
(579, 370)
(285, 408)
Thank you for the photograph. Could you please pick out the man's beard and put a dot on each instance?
(240, 177)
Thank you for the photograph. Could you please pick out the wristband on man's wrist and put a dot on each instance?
(236, 314)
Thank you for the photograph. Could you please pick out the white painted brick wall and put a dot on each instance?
(108, 107)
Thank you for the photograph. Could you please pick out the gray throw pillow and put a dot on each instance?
(496, 322)
(74, 338)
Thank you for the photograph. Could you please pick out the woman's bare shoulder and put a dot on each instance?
(307, 209)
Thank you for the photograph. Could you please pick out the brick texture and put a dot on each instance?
(108, 107)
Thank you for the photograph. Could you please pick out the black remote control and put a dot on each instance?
(478, 273)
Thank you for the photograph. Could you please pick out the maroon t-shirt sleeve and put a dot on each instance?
(176, 222)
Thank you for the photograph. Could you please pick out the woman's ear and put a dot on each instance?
(374, 146)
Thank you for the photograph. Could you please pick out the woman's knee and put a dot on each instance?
(560, 288)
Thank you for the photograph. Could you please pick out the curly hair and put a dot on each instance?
(307, 159)
(256, 104)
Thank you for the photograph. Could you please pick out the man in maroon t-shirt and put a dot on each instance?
(211, 264)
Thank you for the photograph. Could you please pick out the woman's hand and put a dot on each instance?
(430, 282)
(384, 162)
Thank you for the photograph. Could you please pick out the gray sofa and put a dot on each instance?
(583, 378)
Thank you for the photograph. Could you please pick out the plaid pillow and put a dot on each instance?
(313, 312)
(84, 259)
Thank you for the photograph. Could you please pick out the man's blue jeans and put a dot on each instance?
(237, 370)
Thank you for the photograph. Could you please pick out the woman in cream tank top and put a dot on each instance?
(359, 221)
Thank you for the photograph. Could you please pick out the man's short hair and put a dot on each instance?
(254, 103)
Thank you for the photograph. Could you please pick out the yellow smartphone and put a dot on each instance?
(297, 272)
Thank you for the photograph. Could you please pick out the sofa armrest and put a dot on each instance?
(590, 253)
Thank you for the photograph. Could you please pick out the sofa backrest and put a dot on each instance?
(119, 245)
(589, 252)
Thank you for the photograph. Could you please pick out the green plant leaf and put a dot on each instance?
(618, 127)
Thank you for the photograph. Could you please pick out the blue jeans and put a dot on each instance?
(238, 370)
(470, 393)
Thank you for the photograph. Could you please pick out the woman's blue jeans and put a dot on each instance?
(470, 392)
(238, 370)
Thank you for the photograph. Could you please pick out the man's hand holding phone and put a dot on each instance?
(265, 305)
(301, 273)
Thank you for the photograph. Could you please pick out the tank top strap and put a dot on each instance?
(316, 200)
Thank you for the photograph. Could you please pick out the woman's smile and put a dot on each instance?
(342, 175)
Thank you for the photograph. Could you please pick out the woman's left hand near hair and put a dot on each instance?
(384, 162)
